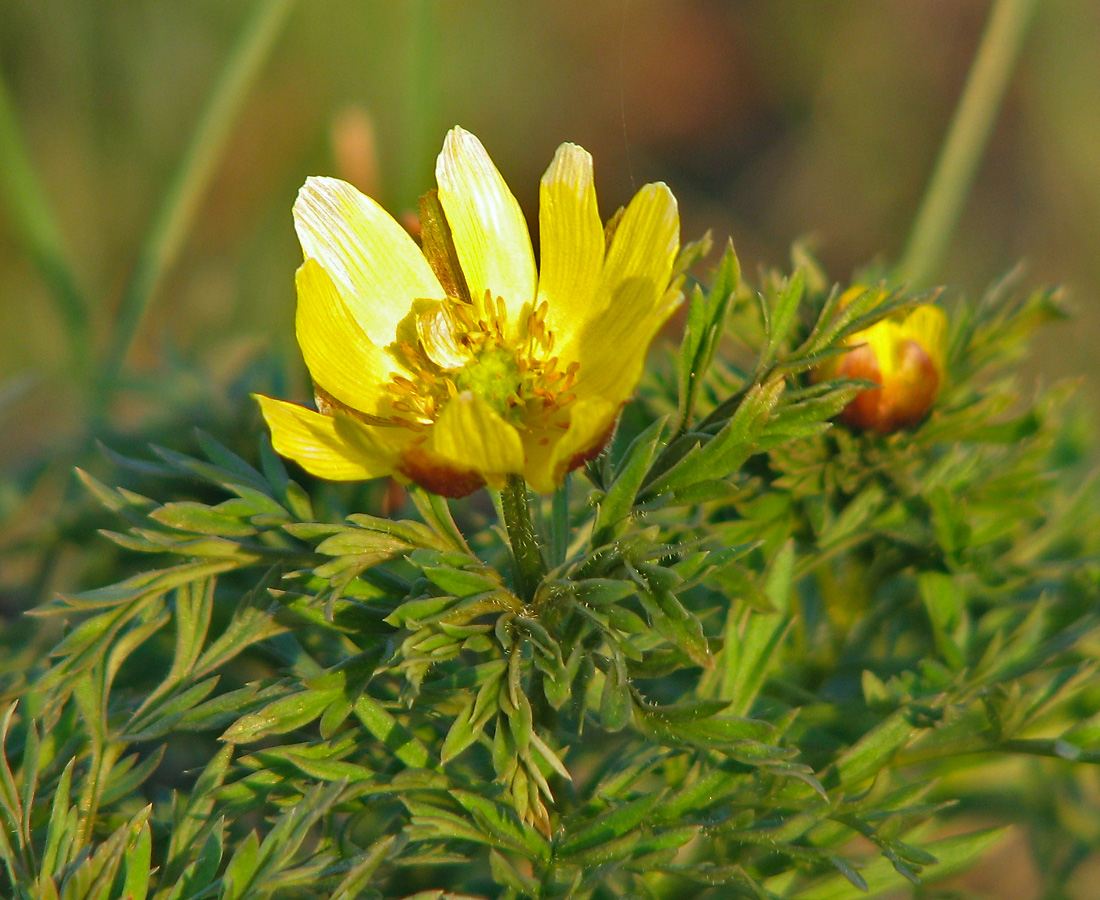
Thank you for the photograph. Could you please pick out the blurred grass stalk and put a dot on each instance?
(966, 141)
(419, 102)
(181, 201)
(35, 226)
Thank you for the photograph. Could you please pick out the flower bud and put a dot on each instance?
(904, 354)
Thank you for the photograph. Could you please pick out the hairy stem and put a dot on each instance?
(530, 567)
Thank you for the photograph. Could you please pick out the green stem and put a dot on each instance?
(188, 186)
(559, 523)
(966, 140)
(30, 213)
(530, 567)
(437, 514)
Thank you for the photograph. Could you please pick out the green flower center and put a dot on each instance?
(494, 376)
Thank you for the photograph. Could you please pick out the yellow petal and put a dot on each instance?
(633, 299)
(927, 325)
(374, 263)
(612, 347)
(438, 332)
(885, 338)
(645, 242)
(470, 434)
(552, 453)
(572, 241)
(490, 233)
(339, 355)
(318, 446)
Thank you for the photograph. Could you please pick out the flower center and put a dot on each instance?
(494, 376)
(458, 350)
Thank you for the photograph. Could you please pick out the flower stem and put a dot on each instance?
(530, 567)
(966, 140)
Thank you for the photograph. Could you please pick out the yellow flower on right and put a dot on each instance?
(904, 354)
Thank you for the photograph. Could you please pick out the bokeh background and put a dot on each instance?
(771, 120)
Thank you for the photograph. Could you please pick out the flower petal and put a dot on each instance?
(645, 242)
(572, 241)
(927, 325)
(552, 453)
(350, 452)
(613, 346)
(374, 263)
(885, 339)
(489, 231)
(633, 299)
(470, 434)
(339, 355)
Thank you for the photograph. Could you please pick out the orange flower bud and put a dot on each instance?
(905, 354)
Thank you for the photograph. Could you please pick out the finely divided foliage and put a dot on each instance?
(768, 651)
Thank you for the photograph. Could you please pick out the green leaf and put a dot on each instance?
(279, 717)
(360, 541)
(810, 416)
(415, 533)
(874, 750)
(944, 600)
(137, 864)
(686, 710)
(358, 878)
(251, 488)
(781, 315)
(241, 868)
(711, 733)
(402, 742)
(668, 617)
(612, 824)
(863, 311)
(721, 455)
(954, 853)
(200, 518)
(617, 503)
(615, 701)
(144, 584)
(710, 789)
(509, 875)
(125, 778)
(463, 582)
(432, 822)
(500, 823)
(705, 323)
(602, 591)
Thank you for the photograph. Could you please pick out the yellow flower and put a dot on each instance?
(455, 370)
(905, 354)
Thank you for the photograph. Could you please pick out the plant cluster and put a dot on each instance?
(767, 656)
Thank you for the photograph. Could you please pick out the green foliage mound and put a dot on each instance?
(771, 658)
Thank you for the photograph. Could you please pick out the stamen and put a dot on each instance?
(515, 372)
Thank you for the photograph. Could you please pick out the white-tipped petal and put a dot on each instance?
(374, 263)
(341, 358)
(489, 230)
(572, 241)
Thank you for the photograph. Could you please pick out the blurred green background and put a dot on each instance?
(771, 121)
